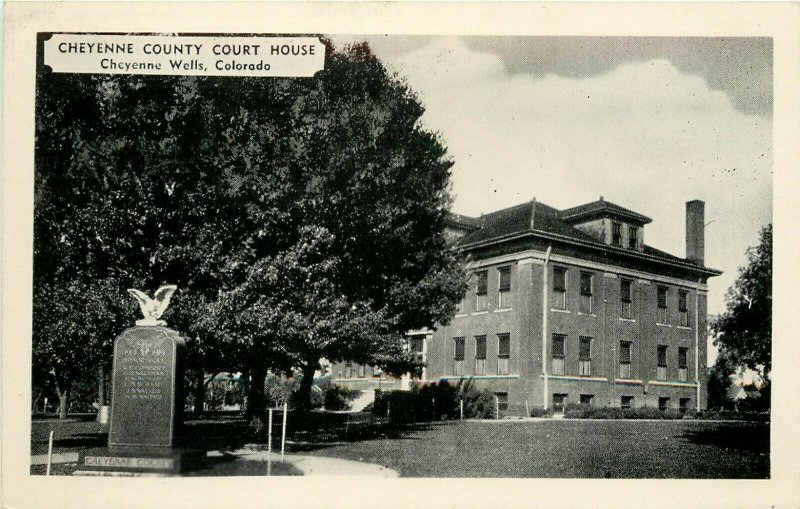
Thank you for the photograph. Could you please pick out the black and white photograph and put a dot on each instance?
(268, 255)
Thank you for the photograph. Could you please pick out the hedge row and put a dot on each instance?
(596, 412)
(434, 402)
(592, 412)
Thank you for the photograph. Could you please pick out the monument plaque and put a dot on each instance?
(146, 406)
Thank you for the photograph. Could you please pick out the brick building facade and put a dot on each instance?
(570, 306)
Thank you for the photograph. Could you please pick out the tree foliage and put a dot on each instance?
(719, 382)
(300, 218)
(744, 330)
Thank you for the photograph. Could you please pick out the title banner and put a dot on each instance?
(188, 56)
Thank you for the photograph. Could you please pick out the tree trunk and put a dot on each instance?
(101, 386)
(63, 401)
(256, 399)
(304, 392)
(63, 396)
(199, 392)
(36, 400)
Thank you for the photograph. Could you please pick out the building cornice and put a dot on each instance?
(688, 266)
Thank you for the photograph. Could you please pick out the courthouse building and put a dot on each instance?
(570, 306)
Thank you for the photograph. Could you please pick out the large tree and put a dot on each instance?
(358, 257)
(744, 330)
(329, 185)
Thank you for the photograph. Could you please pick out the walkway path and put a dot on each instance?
(322, 466)
(58, 457)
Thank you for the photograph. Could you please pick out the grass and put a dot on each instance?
(569, 449)
(565, 448)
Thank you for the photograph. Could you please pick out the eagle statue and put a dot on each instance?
(152, 309)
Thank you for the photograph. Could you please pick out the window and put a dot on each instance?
(683, 369)
(417, 346)
(558, 354)
(625, 297)
(624, 359)
(682, 310)
(626, 402)
(585, 356)
(480, 291)
(661, 369)
(460, 307)
(362, 371)
(586, 292)
(633, 237)
(616, 234)
(559, 402)
(348, 370)
(683, 404)
(663, 403)
(503, 353)
(480, 355)
(662, 305)
(559, 288)
(586, 399)
(504, 288)
(458, 357)
(502, 401)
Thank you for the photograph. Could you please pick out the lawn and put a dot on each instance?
(568, 449)
(564, 448)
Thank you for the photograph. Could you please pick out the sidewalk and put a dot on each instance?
(322, 466)
(58, 457)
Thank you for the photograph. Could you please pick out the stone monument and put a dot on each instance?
(145, 433)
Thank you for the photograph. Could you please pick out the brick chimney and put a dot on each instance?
(695, 231)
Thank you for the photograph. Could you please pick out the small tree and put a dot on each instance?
(719, 381)
(744, 330)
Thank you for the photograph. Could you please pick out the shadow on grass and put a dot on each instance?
(212, 435)
(305, 432)
(323, 430)
(753, 438)
(81, 440)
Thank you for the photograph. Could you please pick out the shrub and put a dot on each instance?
(728, 415)
(478, 404)
(401, 406)
(541, 412)
(595, 412)
(438, 401)
(337, 397)
(441, 400)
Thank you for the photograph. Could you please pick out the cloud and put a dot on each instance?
(739, 66)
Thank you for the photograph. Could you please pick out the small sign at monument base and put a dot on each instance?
(135, 461)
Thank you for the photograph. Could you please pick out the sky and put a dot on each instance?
(647, 123)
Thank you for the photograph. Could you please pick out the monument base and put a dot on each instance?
(137, 461)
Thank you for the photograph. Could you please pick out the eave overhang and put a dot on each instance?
(700, 270)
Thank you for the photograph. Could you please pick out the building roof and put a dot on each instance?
(536, 218)
(601, 208)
